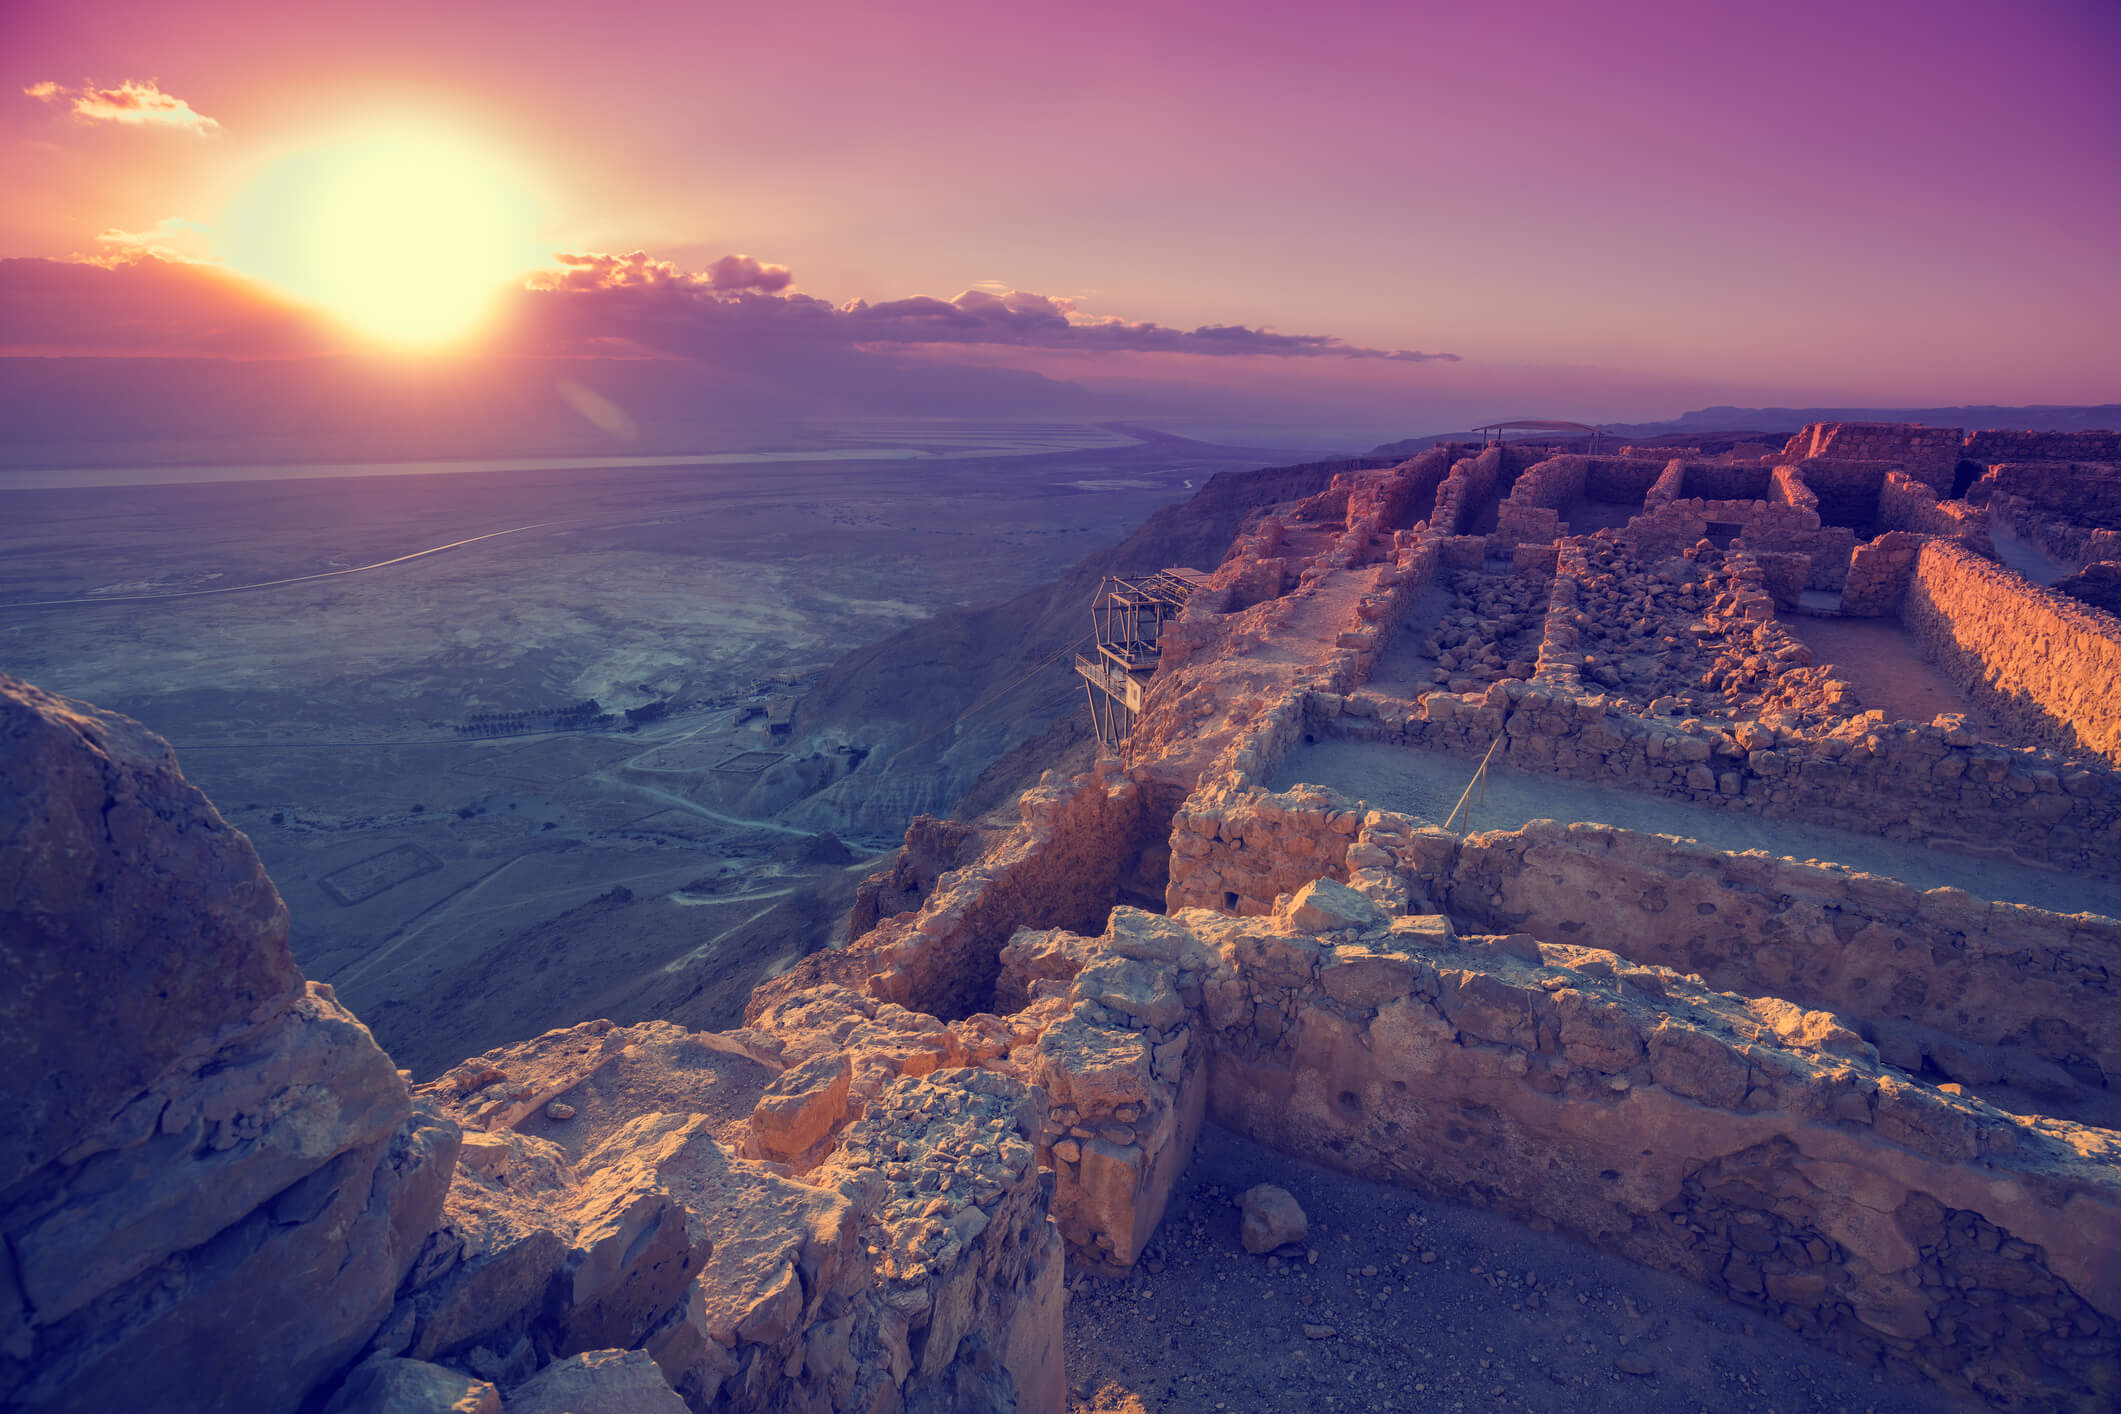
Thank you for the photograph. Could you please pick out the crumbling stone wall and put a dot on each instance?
(1750, 1145)
(1929, 454)
(2086, 492)
(932, 848)
(1538, 506)
(1878, 574)
(2043, 661)
(1862, 773)
(1061, 868)
(1461, 494)
(2004, 445)
(1907, 504)
(1972, 975)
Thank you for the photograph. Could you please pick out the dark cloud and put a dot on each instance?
(140, 300)
(136, 303)
(637, 299)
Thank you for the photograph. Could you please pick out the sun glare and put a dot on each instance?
(408, 236)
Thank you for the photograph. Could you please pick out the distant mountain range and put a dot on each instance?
(1731, 424)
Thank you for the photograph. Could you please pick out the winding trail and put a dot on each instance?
(272, 583)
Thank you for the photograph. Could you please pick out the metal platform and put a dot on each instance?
(1127, 618)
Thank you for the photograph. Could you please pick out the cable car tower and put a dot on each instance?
(1128, 617)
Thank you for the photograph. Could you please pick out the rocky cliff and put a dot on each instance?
(934, 705)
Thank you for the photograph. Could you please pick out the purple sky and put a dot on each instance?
(1617, 210)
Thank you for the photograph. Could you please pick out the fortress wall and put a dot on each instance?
(1241, 855)
(1537, 504)
(2084, 493)
(1991, 447)
(1405, 495)
(1903, 780)
(2043, 661)
(2073, 544)
(1878, 574)
(1540, 503)
(2042, 985)
(1907, 504)
(1061, 868)
(1751, 1146)
(1459, 497)
(1930, 454)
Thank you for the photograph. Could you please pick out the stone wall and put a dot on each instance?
(2041, 986)
(1879, 573)
(1929, 454)
(2043, 661)
(1081, 842)
(1461, 494)
(1991, 447)
(1709, 481)
(1904, 780)
(1538, 506)
(2053, 534)
(2086, 493)
(1907, 504)
(1752, 1146)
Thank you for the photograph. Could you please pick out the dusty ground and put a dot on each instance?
(1884, 664)
(1430, 1306)
(1428, 783)
(428, 869)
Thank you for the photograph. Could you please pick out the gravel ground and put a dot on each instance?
(1428, 783)
(1399, 1302)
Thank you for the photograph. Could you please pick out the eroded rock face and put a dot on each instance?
(218, 1180)
(128, 907)
(597, 1382)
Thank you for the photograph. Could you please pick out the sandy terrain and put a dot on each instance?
(425, 866)
(1429, 1305)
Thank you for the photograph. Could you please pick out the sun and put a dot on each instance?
(407, 234)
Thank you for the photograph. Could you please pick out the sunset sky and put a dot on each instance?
(1616, 210)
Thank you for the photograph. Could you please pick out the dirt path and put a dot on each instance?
(1431, 1306)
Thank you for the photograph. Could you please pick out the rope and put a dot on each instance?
(1480, 778)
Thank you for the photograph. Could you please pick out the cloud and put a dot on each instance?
(171, 238)
(132, 103)
(638, 299)
(741, 272)
(582, 274)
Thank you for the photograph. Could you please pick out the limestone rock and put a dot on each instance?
(1270, 1218)
(597, 1382)
(217, 1212)
(1326, 906)
(801, 1106)
(385, 1385)
(128, 907)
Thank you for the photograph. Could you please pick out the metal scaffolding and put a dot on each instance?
(1128, 617)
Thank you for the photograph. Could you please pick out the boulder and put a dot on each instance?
(597, 1382)
(217, 1213)
(800, 1108)
(1327, 906)
(1270, 1217)
(383, 1384)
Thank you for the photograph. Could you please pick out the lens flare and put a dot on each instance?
(406, 235)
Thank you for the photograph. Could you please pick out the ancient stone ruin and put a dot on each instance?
(1504, 826)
